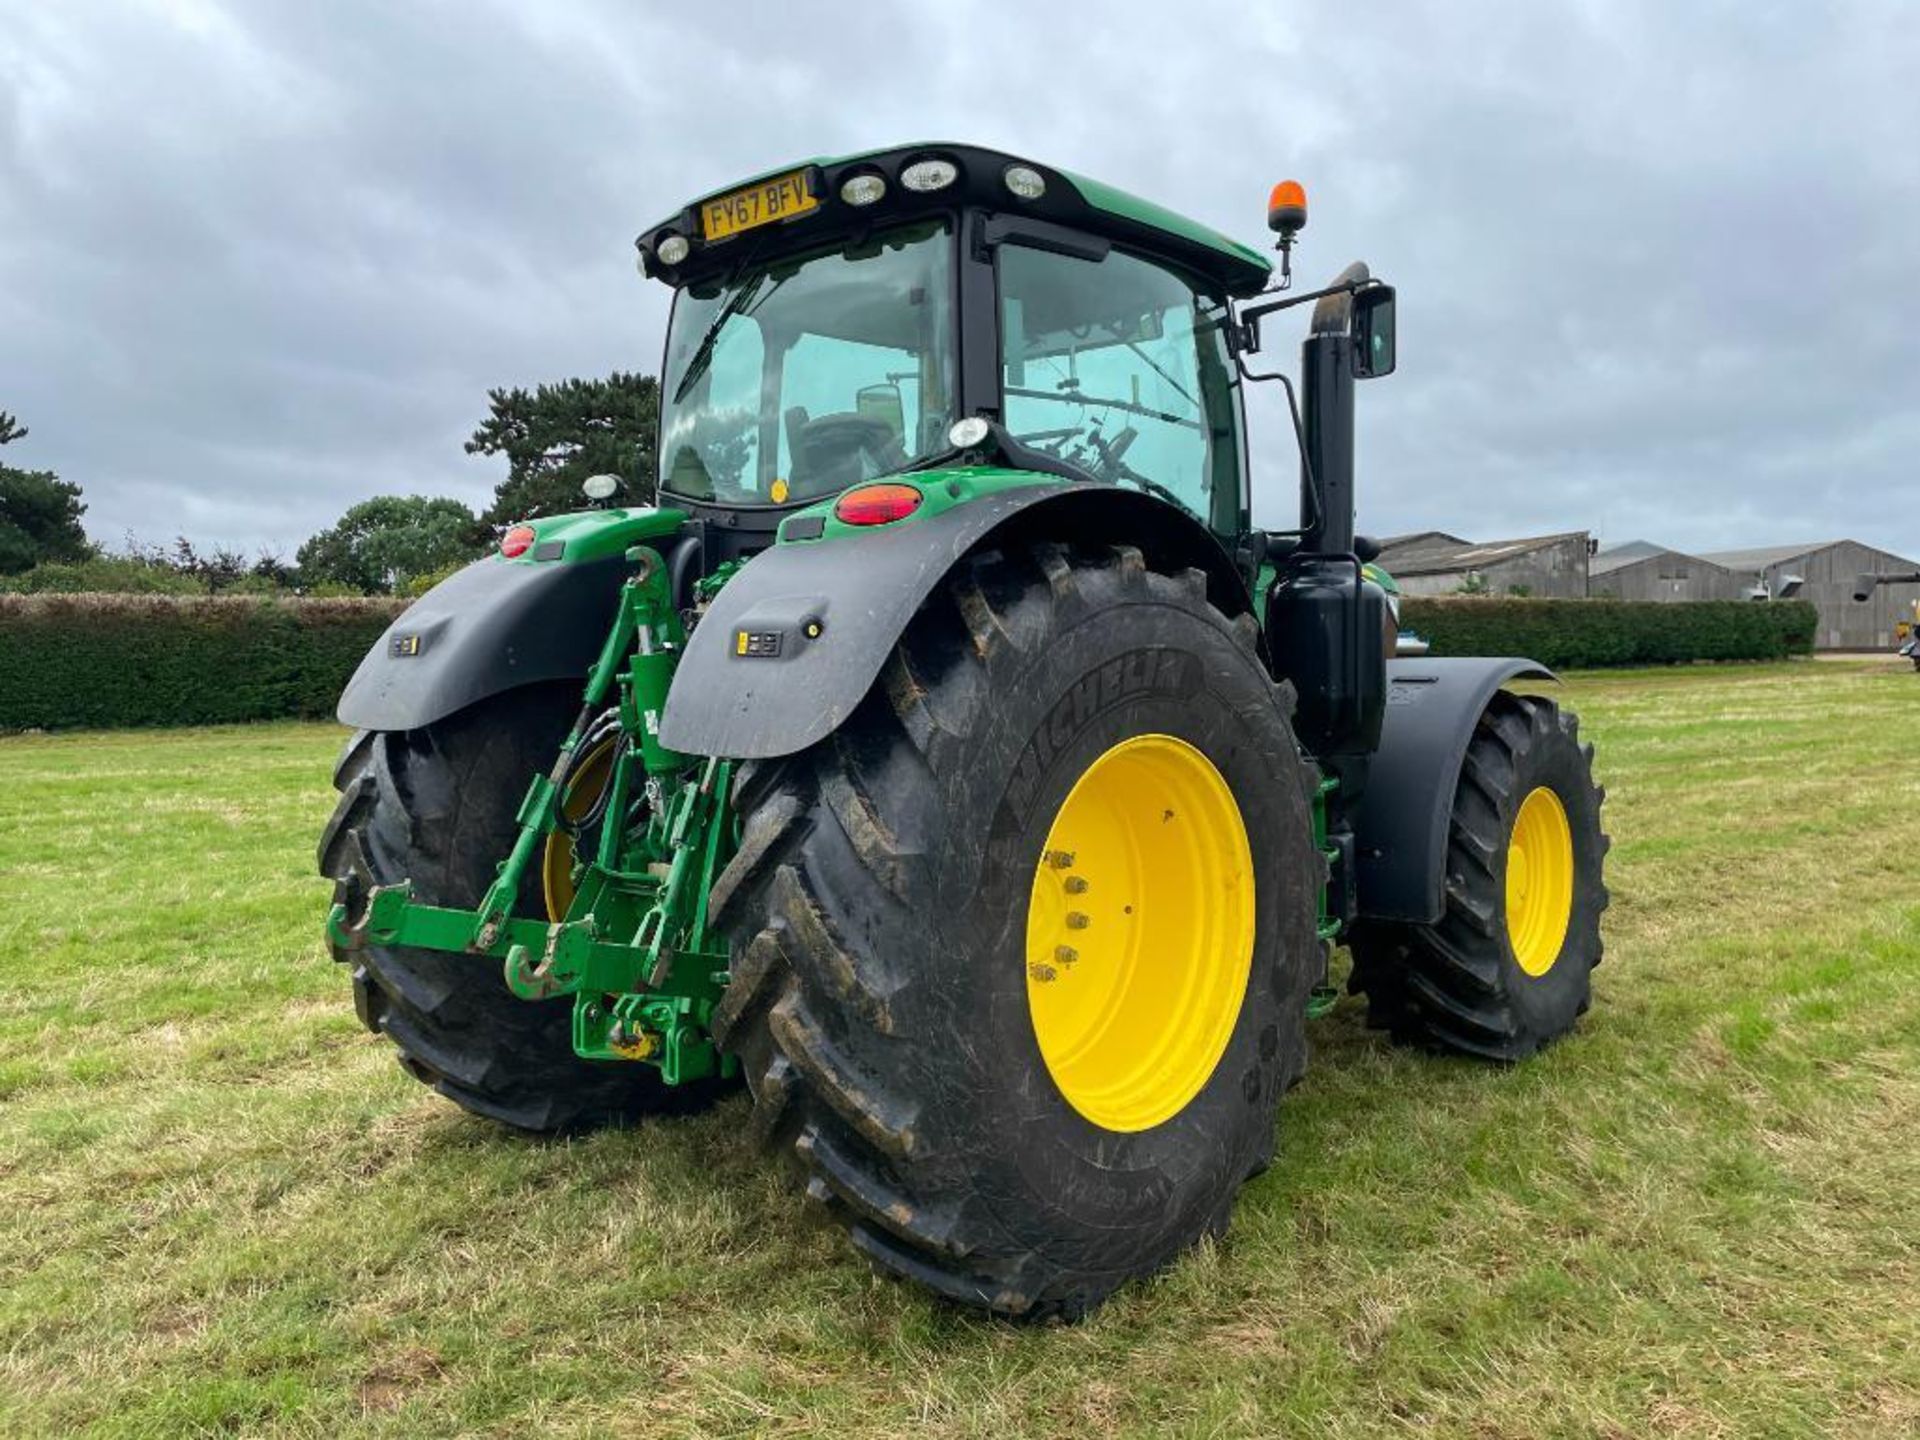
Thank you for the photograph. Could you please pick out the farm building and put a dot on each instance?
(1641, 570)
(1435, 563)
(1827, 570)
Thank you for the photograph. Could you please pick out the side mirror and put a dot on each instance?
(1863, 584)
(1373, 339)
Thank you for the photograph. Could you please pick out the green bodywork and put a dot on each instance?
(1121, 205)
(1323, 997)
(596, 534)
(940, 491)
(634, 948)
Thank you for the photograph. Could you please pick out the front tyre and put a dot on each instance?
(1509, 966)
(1022, 952)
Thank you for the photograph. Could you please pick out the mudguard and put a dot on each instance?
(499, 623)
(488, 628)
(793, 643)
(1400, 824)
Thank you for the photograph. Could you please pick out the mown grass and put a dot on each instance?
(228, 1210)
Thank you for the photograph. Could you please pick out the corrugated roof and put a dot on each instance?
(1627, 551)
(1399, 551)
(1473, 555)
(1608, 561)
(1422, 537)
(1765, 555)
(1634, 552)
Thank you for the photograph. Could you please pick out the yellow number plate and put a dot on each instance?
(780, 198)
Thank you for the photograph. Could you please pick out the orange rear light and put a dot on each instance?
(877, 504)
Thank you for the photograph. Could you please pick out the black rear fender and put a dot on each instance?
(1400, 824)
(491, 627)
(795, 640)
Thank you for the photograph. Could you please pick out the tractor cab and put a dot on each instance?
(832, 321)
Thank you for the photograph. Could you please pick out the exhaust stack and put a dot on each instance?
(1326, 383)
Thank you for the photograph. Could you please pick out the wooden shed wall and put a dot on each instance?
(1829, 574)
(1557, 571)
(1669, 576)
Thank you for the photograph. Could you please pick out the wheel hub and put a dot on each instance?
(1140, 928)
(1539, 881)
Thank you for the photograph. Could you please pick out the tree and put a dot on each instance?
(39, 513)
(381, 544)
(555, 436)
(218, 569)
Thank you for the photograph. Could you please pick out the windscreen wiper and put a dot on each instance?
(1096, 402)
(703, 352)
(1158, 369)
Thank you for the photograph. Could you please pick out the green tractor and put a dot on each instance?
(948, 755)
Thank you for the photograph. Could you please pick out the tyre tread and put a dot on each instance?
(1445, 985)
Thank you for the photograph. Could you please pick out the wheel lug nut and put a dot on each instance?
(1076, 885)
(1077, 921)
(1060, 859)
(1065, 954)
(1041, 972)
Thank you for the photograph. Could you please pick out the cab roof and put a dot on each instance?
(1069, 199)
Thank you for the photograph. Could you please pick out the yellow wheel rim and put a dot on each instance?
(556, 862)
(1539, 881)
(1140, 933)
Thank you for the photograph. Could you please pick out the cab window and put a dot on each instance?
(808, 375)
(1120, 367)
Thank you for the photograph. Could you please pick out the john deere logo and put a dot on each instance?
(401, 646)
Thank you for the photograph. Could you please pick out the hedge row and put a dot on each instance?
(1579, 633)
(121, 660)
(114, 660)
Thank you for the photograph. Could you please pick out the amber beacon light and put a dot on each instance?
(1287, 217)
(1287, 208)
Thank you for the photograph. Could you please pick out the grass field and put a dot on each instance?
(230, 1211)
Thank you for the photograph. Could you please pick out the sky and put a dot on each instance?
(261, 260)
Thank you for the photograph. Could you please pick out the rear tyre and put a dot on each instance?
(437, 806)
(1508, 968)
(1022, 951)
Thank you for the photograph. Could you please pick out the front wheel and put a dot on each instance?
(1509, 965)
(1022, 952)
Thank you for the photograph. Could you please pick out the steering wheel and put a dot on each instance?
(1114, 469)
(1113, 452)
(827, 451)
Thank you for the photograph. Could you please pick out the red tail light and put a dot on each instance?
(517, 541)
(877, 504)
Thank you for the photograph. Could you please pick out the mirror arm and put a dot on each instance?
(1246, 328)
(1312, 491)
